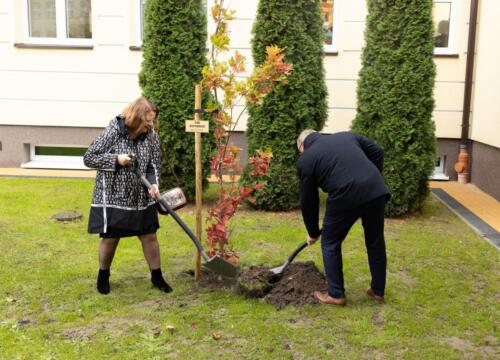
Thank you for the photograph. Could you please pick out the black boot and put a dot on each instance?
(103, 281)
(159, 282)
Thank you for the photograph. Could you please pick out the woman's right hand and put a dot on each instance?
(123, 160)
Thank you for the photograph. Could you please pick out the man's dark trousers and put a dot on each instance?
(336, 225)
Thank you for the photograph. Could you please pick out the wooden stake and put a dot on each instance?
(199, 190)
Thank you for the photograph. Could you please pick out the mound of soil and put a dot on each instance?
(294, 287)
(297, 286)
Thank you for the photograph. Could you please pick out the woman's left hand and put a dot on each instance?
(154, 191)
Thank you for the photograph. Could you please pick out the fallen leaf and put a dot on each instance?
(216, 335)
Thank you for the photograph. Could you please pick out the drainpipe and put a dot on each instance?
(462, 166)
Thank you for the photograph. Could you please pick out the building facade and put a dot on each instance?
(67, 67)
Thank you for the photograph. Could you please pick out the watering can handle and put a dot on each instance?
(171, 211)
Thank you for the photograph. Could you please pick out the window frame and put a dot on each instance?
(139, 23)
(61, 27)
(451, 48)
(333, 48)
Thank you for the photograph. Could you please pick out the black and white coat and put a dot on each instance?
(120, 201)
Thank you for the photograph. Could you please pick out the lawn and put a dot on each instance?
(442, 298)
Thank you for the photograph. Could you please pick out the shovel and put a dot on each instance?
(215, 263)
(280, 269)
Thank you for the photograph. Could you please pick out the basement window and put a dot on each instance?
(439, 169)
(56, 157)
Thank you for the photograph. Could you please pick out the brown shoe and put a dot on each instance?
(325, 298)
(374, 296)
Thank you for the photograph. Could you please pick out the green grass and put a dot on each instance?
(442, 290)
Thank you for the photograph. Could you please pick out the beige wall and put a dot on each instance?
(85, 88)
(485, 119)
(63, 87)
(342, 69)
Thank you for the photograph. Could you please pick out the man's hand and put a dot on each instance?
(311, 240)
(154, 191)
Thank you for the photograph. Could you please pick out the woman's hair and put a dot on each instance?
(135, 112)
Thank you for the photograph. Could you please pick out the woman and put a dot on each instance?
(121, 206)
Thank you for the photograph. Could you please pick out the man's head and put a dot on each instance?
(302, 137)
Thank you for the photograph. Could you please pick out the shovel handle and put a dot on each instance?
(296, 252)
(177, 219)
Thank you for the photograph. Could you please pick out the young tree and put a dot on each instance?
(222, 79)
(395, 97)
(295, 26)
(174, 52)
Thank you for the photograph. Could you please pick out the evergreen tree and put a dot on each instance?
(395, 97)
(174, 48)
(292, 107)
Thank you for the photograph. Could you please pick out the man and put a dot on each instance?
(348, 167)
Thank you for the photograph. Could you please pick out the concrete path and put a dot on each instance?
(476, 208)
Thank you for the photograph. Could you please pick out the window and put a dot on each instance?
(58, 22)
(443, 13)
(328, 12)
(142, 5)
(56, 157)
(439, 169)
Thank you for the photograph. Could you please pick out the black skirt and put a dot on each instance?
(121, 233)
(119, 222)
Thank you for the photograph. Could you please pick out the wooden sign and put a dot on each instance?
(197, 126)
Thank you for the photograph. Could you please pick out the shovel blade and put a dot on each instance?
(278, 270)
(221, 267)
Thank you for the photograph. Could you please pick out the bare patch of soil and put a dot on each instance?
(377, 318)
(470, 351)
(116, 327)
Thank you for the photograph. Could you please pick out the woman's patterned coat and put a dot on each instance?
(120, 201)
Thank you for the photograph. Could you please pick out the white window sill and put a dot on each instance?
(445, 52)
(330, 50)
(53, 46)
(48, 164)
(439, 176)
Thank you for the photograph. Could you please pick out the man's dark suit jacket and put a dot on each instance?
(346, 166)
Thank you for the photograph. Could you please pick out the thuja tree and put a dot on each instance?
(395, 97)
(174, 52)
(223, 79)
(295, 26)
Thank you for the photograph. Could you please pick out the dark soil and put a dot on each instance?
(294, 287)
(297, 286)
